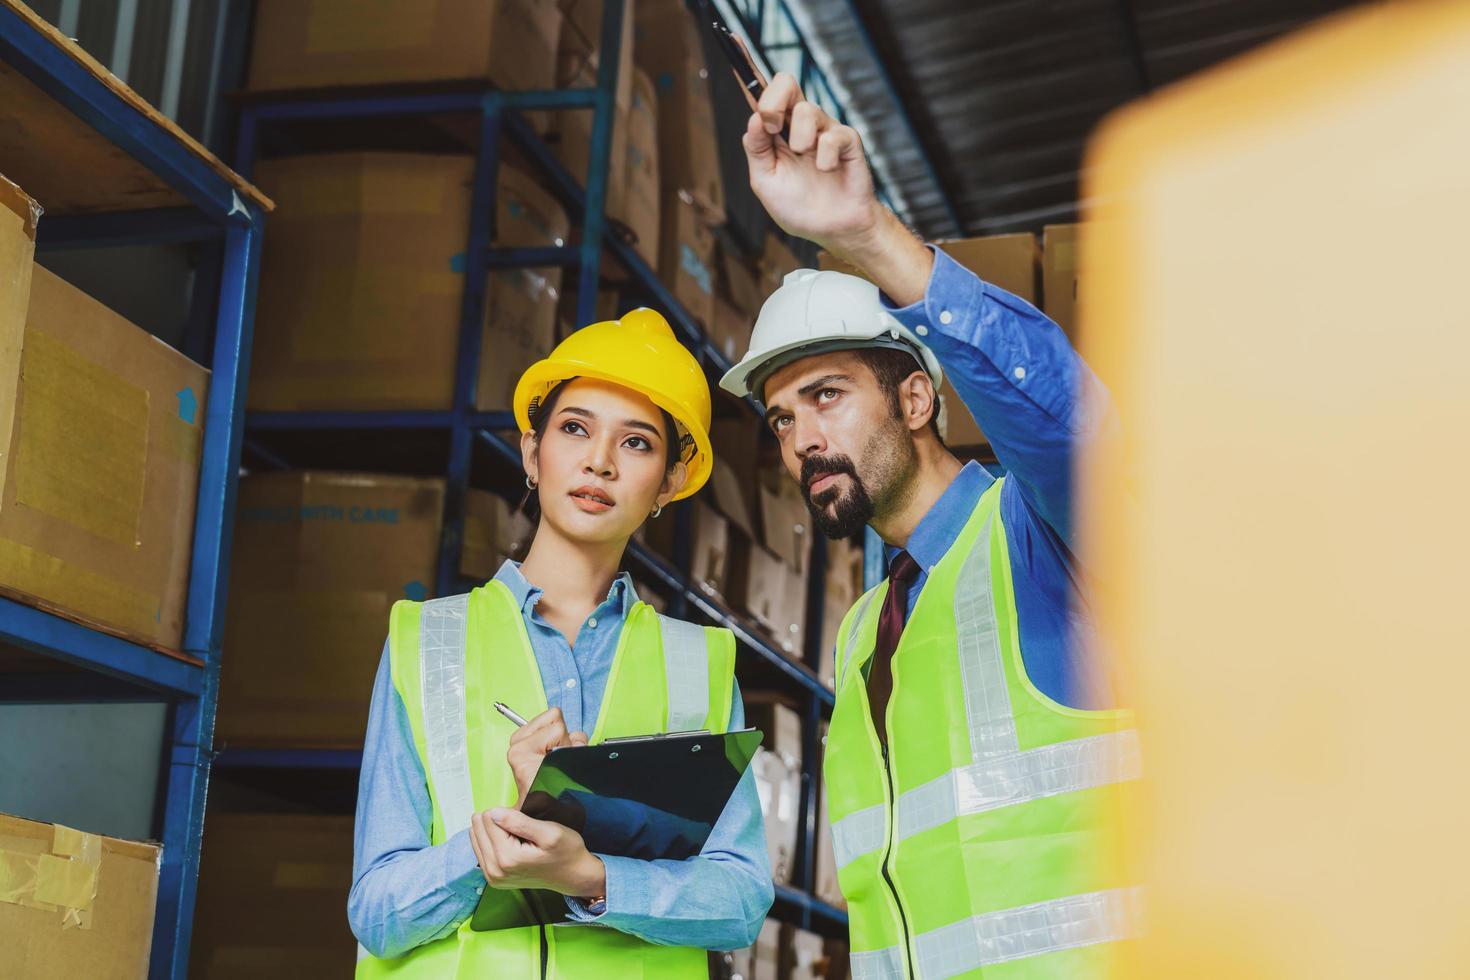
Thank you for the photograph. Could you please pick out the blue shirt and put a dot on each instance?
(407, 892)
(1037, 402)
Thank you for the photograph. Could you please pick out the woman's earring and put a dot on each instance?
(657, 510)
(530, 482)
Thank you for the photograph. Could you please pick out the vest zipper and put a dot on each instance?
(903, 922)
(545, 952)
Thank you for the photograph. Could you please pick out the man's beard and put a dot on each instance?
(853, 507)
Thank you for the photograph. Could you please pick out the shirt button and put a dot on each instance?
(945, 316)
(479, 889)
(571, 682)
(592, 622)
(921, 330)
(1020, 373)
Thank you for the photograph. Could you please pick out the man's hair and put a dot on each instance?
(891, 367)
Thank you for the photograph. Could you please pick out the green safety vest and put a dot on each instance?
(451, 659)
(979, 847)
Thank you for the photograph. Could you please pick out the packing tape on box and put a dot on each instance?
(57, 583)
(96, 482)
(64, 880)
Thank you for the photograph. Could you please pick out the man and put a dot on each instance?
(973, 755)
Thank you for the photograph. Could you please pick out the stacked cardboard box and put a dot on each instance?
(633, 171)
(362, 277)
(825, 866)
(325, 43)
(1059, 276)
(570, 133)
(803, 954)
(74, 904)
(101, 427)
(777, 767)
(493, 532)
(1008, 261)
(844, 584)
(273, 897)
(738, 298)
(639, 207)
(319, 560)
(692, 199)
(761, 961)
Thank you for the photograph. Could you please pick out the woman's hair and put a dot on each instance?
(541, 417)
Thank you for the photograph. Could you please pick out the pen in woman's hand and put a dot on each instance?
(519, 721)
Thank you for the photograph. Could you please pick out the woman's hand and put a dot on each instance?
(532, 741)
(516, 851)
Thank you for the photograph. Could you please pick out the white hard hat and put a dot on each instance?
(814, 312)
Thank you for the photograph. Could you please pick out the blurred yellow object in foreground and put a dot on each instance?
(1276, 288)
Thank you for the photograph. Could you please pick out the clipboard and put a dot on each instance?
(649, 797)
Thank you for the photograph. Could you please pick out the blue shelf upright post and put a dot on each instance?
(594, 212)
(471, 336)
(191, 721)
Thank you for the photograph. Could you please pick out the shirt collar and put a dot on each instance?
(621, 595)
(937, 529)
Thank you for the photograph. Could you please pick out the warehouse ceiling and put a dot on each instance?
(1003, 93)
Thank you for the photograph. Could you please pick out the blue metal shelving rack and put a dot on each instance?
(500, 113)
(213, 206)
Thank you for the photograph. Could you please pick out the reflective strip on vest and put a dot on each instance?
(1030, 930)
(1048, 770)
(858, 833)
(1010, 934)
(686, 672)
(992, 725)
(877, 964)
(852, 633)
(441, 673)
(1001, 774)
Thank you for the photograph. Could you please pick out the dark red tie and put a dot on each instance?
(901, 574)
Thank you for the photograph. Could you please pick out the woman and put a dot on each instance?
(614, 426)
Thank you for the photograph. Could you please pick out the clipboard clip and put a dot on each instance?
(654, 738)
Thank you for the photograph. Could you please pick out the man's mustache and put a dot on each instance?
(815, 467)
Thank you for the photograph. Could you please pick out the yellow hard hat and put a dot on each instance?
(638, 351)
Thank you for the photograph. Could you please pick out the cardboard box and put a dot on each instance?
(774, 593)
(730, 329)
(686, 260)
(727, 491)
(741, 285)
(493, 532)
(1059, 276)
(362, 278)
(322, 43)
(581, 37)
(273, 897)
(319, 560)
(570, 132)
(1008, 261)
(779, 788)
(761, 961)
(843, 586)
(74, 904)
(825, 864)
(803, 955)
(738, 441)
(709, 549)
(667, 45)
(778, 722)
(651, 595)
(785, 521)
(640, 204)
(103, 425)
(776, 263)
